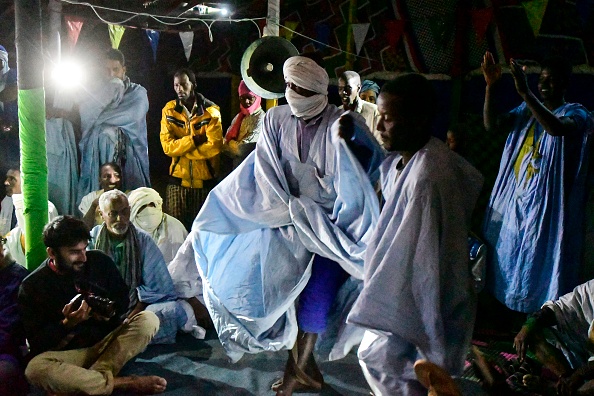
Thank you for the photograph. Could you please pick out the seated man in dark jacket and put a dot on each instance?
(80, 340)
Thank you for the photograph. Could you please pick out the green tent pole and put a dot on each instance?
(31, 103)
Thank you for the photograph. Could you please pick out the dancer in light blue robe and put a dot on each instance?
(258, 231)
(113, 123)
(534, 221)
(291, 222)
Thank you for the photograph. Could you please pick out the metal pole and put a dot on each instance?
(31, 103)
(273, 18)
(272, 29)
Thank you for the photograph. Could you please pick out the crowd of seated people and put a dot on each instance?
(185, 262)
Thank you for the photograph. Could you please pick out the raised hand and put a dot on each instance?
(491, 70)
(346, 127)
(519, 77)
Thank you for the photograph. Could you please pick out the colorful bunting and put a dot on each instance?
(480, 21)
(187, 39)
(153, 37)
(286, 33)
(359, 33)
(115, 35)
(74, 25)
(535, 10)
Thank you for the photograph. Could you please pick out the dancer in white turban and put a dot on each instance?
(278, 238)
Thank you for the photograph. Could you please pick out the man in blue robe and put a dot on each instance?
(62, 153)
(141, 265)
(533, 224)
(113, 123)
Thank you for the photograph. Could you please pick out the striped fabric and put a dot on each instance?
(184, 203)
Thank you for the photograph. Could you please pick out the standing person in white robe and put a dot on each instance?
(290, 223)
(349, 87)
(146, 213)
(62, 153)
(12, 186)
(113, 122)
(417, 301)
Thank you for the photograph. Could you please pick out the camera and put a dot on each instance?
(100, 305)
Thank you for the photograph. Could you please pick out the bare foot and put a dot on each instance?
(145, 385)
(298, 382)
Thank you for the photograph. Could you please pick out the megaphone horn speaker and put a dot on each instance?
(262, 66)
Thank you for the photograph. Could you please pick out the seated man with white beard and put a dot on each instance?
(142, 266)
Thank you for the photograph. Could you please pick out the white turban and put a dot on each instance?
(306, 73)
(150, 218)
(19, 208)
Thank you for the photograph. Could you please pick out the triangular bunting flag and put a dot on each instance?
(74, 25)
(442, 27)
(394, 30)
(187, 39)
(115, 35)
(153, 37)
(480, 21)
(286, 33)
(535, 11)
(359, 33)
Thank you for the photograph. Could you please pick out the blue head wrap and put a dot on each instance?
(368, 84)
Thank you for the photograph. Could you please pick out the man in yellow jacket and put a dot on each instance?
(192, 135)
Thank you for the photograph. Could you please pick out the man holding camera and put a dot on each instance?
(73, 309)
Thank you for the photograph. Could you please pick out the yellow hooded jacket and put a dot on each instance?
(190, 163)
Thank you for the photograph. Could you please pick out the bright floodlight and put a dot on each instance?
(224, 12)
(67, 74)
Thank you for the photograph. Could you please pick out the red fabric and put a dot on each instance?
(233, 132)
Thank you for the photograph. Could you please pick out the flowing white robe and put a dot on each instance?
(418, 299)
(6, 215)
(574, 312)
(260, 227)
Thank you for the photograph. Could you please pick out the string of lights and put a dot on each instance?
(163, 19)
(208, 22)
